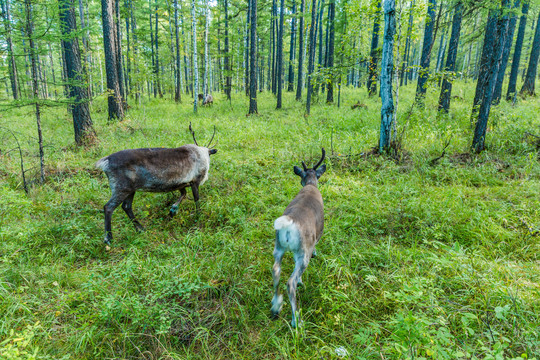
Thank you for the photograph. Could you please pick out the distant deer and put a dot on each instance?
(209, 99)
(298, 231)
(154, 170)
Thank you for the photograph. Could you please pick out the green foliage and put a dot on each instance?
(418, 260)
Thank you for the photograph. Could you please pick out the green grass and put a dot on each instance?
(417, 260)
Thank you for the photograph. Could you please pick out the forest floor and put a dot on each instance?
(419, 259)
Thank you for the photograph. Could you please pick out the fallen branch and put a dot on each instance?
(433, 162)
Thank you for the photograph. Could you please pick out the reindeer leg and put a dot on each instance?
(174, 207)
(126, 206)
(110, 206)
(301, 263)
(277, 300)
(195, 191)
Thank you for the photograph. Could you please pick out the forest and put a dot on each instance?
(416, 121)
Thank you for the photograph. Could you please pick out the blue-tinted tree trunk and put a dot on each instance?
(405, 62)
(387, 65)
(280, 56)
(446, 88)
(300, 53)
(290, 86)
(530, 78)
(497, 44)
(311, 61)
(505, 56)
(517, 52)
(421, 86)
(253, 59)
(13, 77)
(330, 63)
(373, 57)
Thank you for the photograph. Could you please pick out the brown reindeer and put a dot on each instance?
(298, 231)
(154, 170)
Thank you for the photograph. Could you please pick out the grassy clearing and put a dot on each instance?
(416, 261)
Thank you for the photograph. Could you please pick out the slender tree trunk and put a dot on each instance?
(330, 63)
(194, 50)
(35, 88)
(405, 62)
(153, 53)
(300, 53)
(530, 78)
(387, 65)
(517, 52)
(246, 51)
(177, 96)
(290, 86)
(118, 46)
(280, 56)
(446, 89)
(13, 77)
(227, 60)
(128, 56)
(311, 61)
(206, 62)
(116, 109)
(274, 37)
(505, 56)
(82, 122)
(373, 58)
(320, 57)
(253, 59)
(497, 44)
(158, 80)
(421, 86)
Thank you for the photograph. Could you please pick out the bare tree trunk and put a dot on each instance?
(446, 89)
(530, 79)
(421, 86)
(311, 61)
(290, 86)
(13, 77)
(330, 63)
(160, 92)
(387, 65)
(372, 78)
(280, 56)
(206, 62)
(300, 54)
(253, 59)
(35, 89)
(517, 52)
(195, 70)
(227, 60)
(177, 96)
(82, 122)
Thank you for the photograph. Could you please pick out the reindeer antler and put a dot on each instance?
(193, 134)
(320, 161)
(304, 166)
(212, 137)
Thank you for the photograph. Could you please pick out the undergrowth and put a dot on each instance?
(419, 259)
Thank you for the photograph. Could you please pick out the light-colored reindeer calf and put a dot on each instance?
(298, 231)
(153, 170)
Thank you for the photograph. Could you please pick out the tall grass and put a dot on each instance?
(417, 260)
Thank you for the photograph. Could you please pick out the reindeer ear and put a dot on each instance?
(299, 172)
(320, 170)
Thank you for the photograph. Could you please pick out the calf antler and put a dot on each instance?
(193, 134)
(320, 161)
(212, 138)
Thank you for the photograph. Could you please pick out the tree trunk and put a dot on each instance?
(387, 65)
(311, 61)
(506, 54)
(373, 57)
(290, 86)
(530, 78)
(194, 62)
(158, 80)
(320, 57)
(227, 60)
(405, 62)
(82, 122)
(13, 77)
(128, 57)
(517, 52)
(177, 96)
(421, 86)
(253, 59)
(246, 52)
(446, 88)
(274, 36)
(497, 45)
(35, 89)
(300, 53)
(330, 63)
(280, 56)
(118, 46)
(206, 62)
(116, 109)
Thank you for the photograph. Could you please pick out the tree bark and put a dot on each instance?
(177, 96)
(497, 44)
(530, 78)
(373, 57)
(156, 38)
(13, 77)
(290, 86)
(387, 65)
(194, 62)
(517, 52)
(446, 88)
(246, 52)
(253, 59)
(115, 104)
(280, 56)
(226, 61)
(506, 54)
(405, 62)
(330, 63)
(421, 86)
(311, 61)
(206, 62)
(82, 122)
(300, 53)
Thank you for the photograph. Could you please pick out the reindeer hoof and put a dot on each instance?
(277, 303)
(173, 210)
(314, 254)
(107, 241)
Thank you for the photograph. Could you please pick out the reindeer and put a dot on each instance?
(208, 100)
(298, 231)
(154, 170)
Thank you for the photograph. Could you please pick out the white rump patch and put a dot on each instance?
(103, 163)
(288, 234)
